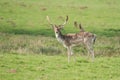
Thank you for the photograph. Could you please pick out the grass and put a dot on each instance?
(27, 44)
(29, 50)
(42, 67)
(29, 17)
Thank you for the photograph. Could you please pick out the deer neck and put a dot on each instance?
(59, 36)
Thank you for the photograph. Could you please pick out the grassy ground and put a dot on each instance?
(42, 67)
(29, 16)
(29, 50)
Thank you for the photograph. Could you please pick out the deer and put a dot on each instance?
(73, 39)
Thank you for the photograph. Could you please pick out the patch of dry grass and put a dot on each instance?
(26, 44)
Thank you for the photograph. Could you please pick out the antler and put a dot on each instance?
(81, 27)
(49, 20)
(76, 25)
(61, 26)
(65, 21)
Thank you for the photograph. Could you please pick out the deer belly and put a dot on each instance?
(76, 41)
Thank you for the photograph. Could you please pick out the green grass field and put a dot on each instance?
(29, 50)
(42, 67)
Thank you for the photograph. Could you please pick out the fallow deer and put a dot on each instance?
(74, 39)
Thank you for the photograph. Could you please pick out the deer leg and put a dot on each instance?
(90, 51)
(87, 48)
(88, 54)
(69, 54)
(71, 51)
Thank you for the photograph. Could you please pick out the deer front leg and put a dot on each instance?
(72, 54)
(71, 51)
(68, 53)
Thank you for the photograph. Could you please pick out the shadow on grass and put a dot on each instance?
(107, 32)
(112, 32)
(82, 61)
(49, 32)
(43, 32)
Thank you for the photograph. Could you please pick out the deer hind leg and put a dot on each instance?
(92, 53)
(90, 50)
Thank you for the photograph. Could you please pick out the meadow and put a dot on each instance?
(42, 67)
(30, 51)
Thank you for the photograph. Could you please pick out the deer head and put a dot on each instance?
(57, 28)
